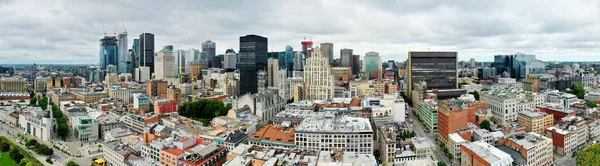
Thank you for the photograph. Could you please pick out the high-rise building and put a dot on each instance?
(192, 55)
(289, 60)
(327, 50)
(180, 58)
(135, 51)
(454, 115)
(373, 65)
(472, 63)
(168, 48)
(230, 59)
(298, 61)
(253, 57)
(108, 52)
(306, 48)
(346, 57)
(317, 77)
(215, 62)
(147, 51)
(124, 58)
(355, 64)
(519, 65)
(437, 69)
(209, 47)
(157, 88)
(164, 64)
(272, 71)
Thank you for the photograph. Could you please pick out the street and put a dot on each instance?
(419, 131)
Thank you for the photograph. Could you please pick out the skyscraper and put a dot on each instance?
(208, 47)
(164, 64)
(327, 50)
(318, 80)
(272, 71)
(135, 50)
(373, 65)
(346, 57)
(108, 52)
(306, 45)
(355, 64)
(230, 59)
(437, 69)
(180, 57)
(147, 51)
(253, 57)
(289, 60)
(124, 58)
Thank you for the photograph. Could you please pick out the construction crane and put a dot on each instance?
(193, 78)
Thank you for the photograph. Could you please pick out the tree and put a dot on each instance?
(485, 89)
(31, 142)
(475, 94)
(439, 163)
(63, 130)
(71, 163)
(592, 104)
(24, 162)
(485, 124)
(4, 146)
(43, 103)
(577, 90)
(33, 101)
(492, 118)
(589, 156)
(20, 101)
(15, 155)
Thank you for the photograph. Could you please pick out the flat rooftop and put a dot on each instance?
(334, 124)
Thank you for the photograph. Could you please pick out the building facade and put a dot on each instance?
(438, 69)
(318, 80)
(253, 57)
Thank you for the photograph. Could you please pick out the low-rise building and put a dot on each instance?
(483, 135)
(569, 137)
(85, 128)
(558, 111)
(535, 149)
(136, 123)
(273, 136)
(454, 144)
(37, 122)
(481, 153)
(428, 113)
(115, 153)
(535, 121)
(506, 103)
(349, 134)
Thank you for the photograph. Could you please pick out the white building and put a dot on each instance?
(120, 93)
(37, 122)
(118, 134)
(506, 103)
(164, 65)
(317, 77)
(453, 146)
(265, 104)
(328, 133)
(486, 152)
(483, 135)
(229, 59)
(565, 99)
(151, 151)
(5, 115)
(85, 128)
(142, 73)
(115, 153)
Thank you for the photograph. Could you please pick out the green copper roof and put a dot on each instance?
(164, 50)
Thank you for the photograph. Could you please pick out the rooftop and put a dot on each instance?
(532, 114)
(421, 143)
(529, 140)
(275, 133)
(331, 123)
(489, 153)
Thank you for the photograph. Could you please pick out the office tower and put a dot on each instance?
(472, 63)
(272, 70)
(180, 57)
(327, 50)
(289, 59)
(230, 59)
(164, 64)
(437, 69)
(318, 80)
(346, 57)
(355, 64)
(519, 65)
(373, 65)
(484, 73)
(253, 57)
(108, 51)
(123, 53)
(208, 47)
(298, 61)
(147, 51)
(192, 55)
(216, 62)
(306, 45)
(131, 63)
(135, 49)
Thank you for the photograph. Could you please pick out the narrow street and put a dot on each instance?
(416, 126)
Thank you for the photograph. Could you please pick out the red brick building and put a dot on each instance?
(454, 115)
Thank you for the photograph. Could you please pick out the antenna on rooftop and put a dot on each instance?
(104, 30)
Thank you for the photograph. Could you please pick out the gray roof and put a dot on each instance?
(518, 159)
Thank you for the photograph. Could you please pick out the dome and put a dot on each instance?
(505, 75)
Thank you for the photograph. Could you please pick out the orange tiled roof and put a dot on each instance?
(275, 134)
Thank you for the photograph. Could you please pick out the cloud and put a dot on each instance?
(68, 31)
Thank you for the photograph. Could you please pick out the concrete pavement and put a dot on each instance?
(437, 152)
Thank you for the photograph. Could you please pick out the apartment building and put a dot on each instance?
(506, 103)
(534, 148)
(482, 153)
(569, 136)
(328, 133)
(535, 121)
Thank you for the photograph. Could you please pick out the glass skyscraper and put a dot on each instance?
(437, 69)
(123, 54)
(147, 51)
(253, 58)
(289, 60)
(135, 51)
(209, 47)
(108, 51)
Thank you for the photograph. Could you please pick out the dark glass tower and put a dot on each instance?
(208, 47)
(108, 52)
(147, 51)
(253, 58)
(437, 69)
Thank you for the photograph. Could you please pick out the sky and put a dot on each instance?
(68, 31)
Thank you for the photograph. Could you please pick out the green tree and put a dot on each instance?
(485, 89)
(590, 156)
(592, 104)
(63, 130)
(31, 142)
(20, 101)
(72, 163)
(24, 162)
(439, 163)
(485, 124)
(4, 146)
(475, 94)
(43, 103)
(577, 90)
(33, 101)
(15, 155)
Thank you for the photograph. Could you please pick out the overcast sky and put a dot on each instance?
(56, 31)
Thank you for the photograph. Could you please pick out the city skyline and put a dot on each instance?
(67, 33)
